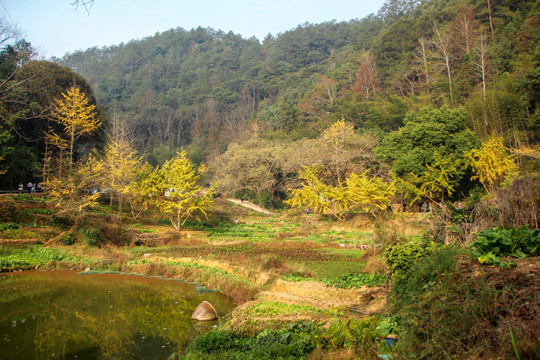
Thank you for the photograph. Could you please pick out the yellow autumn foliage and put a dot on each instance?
(369, 194)
(178, 192)
(492, 163)
(76, 115)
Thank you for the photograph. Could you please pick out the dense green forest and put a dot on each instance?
(205, 86)
(471, 64)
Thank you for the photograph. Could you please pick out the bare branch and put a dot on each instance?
(87, 4)
(8, 32)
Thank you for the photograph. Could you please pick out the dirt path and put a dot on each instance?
(251, 206)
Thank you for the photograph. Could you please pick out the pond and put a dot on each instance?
(65, 315)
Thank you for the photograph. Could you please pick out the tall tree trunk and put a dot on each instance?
(482, 53)
(71, 148)
(61, 160)
(44, 175)
(423, 57)
(491, 21)
(442, 41)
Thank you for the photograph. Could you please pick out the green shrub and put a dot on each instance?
(115, 234)
(9, 226)
(216, 341)
(294, 341)
(272, 308)
(164, 222)
(400, 257)
(24, 197)
(92, 237)
(245, 194)
(349, 333)
(30, 257)
(265, 200)
(296, 278)
(388, 325)
(68, 239)
(11, 262)
(39, 211)
(291, 342)
(61, 222)
(422, 275)
(332, 269)
(146, 231)
(495, 243)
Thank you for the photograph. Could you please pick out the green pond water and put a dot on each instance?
(65, 315)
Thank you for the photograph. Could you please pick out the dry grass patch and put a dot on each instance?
(287, 302)
(374, 264)
(316, 294)
(247, 274)
(105, 256)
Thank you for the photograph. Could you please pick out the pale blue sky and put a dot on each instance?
(54, 27)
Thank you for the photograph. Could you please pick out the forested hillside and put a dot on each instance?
(204, 87)
(201, 88)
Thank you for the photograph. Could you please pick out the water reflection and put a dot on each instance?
(59, 315)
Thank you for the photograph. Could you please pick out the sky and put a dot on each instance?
(55, 27)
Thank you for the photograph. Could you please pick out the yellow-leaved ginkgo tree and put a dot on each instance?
(440, 177)
(72, 195)
(180, 194)
(120, 164)
(77, 116)
(369, 193)
(316, 196)
(359, 191)
(492, 163)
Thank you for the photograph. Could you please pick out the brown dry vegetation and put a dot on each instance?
(518, 304)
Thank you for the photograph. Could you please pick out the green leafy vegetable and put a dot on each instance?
(498, 242)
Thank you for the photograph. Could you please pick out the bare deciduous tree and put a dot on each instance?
(422, 58)
(464, 29)
(321, 100)
(480, 60)
(367, 84)
(442, 41)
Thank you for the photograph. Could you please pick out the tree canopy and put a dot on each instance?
(429, 131)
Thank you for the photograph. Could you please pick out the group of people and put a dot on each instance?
(427, 206)
(31, 187)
